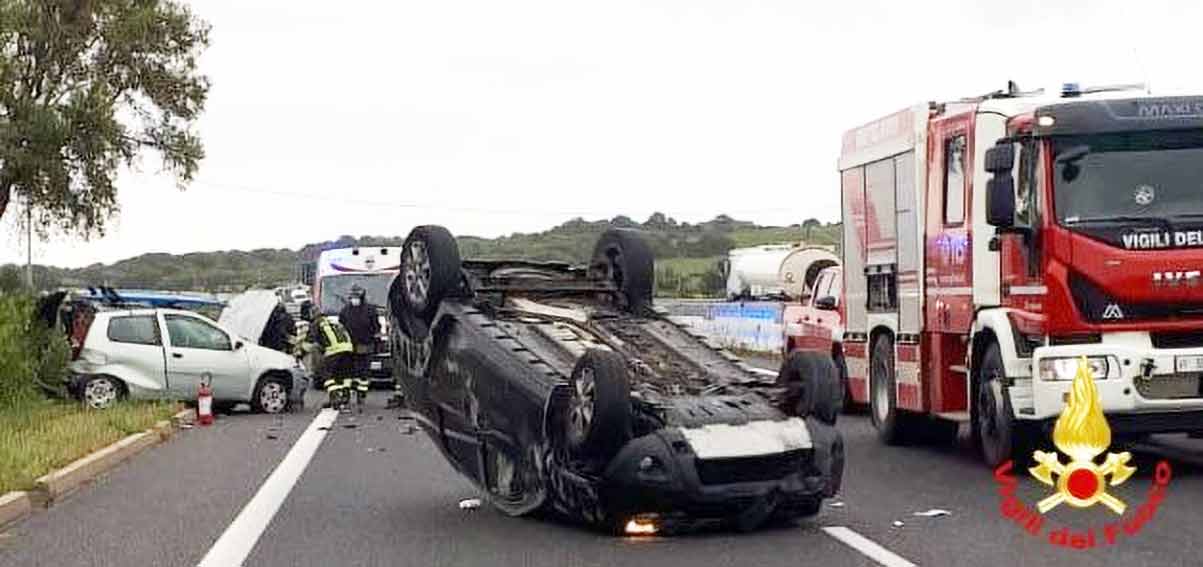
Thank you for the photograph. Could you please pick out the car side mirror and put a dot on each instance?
(826, 303)
(238, 345)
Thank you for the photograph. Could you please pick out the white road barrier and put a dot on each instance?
(240, 537)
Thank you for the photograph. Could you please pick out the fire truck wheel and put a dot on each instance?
(891, 424)
(625, 259)
(847, 403)
(430, 271)
(812, 386)
(995, 429)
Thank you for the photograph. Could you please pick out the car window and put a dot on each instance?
(189, 332)
(140, 330)
(821, 286)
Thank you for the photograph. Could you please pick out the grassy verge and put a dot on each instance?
(41, 436)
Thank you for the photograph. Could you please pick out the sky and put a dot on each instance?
(498, 117)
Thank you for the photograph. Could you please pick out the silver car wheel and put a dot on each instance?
(580, 416)
(273, 398)
(100, 393)
(417, 275)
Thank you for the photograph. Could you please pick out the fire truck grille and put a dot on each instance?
(1169, 386)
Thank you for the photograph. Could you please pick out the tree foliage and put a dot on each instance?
(85, 87)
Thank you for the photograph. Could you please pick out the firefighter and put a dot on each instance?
(362, 320)
(336, 369)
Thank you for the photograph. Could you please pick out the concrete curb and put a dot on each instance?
(184, 417)
(14, 506)
(62, 482)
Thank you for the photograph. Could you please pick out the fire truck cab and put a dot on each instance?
(990, 243)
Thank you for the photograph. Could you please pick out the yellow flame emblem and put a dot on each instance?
(1083, 434)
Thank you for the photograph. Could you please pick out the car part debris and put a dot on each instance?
(469, 504)
(934, 512)
(898, 523)
(836, 504)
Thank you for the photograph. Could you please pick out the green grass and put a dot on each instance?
(45, 435)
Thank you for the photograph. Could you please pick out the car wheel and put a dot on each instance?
(430, 271)
(100, 392)
(997, 432)
(812, 387)
(271, 395)
(623, 258)
(892, 426)
(598, 417)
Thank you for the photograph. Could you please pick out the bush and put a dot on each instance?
(30, 352)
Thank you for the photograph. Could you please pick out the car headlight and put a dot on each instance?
(1067, 367)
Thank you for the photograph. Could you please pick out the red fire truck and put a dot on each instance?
(989, 243)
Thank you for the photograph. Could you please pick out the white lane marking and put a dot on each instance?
(240, 537)
(867, 547)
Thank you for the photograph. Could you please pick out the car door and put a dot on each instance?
(197, 347)
(136, 346)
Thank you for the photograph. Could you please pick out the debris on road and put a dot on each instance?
(272, 436)
(898, 523)
(185, 426)
(323, 429)
(836, 504)
(350, 425)
(469, 504)
(934, 512)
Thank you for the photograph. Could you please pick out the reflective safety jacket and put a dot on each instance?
(332, 336)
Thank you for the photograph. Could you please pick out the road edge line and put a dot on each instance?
(867, 547)
(240, 537)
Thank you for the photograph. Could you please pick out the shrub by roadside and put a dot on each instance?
(30, 352)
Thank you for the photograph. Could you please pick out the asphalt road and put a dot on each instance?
(375, 495)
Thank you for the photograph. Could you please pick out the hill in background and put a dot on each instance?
(687, 256)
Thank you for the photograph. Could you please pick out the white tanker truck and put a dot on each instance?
(775, 271)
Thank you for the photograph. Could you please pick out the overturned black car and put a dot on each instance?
(562, 389)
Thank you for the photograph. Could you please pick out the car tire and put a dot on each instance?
(812, 386)
(430, 271)
(996, 432)
(101, 391)
(893, 426)
(624, 258)
(271, 395)
(597, 421)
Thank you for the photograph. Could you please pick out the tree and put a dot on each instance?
(808, 225)
(85, 87)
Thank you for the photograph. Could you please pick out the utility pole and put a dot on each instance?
(29, 242)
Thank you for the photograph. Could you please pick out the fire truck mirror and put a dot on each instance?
(1000, 158)
(1000, 200)
(826, 303)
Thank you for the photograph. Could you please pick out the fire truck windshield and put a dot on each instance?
(1143, 178)
(336, 289)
